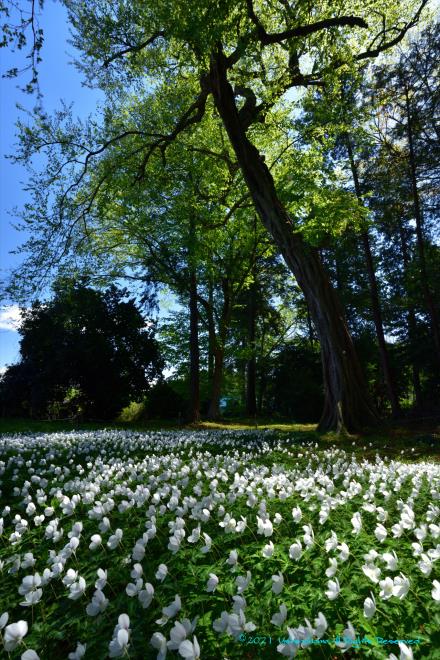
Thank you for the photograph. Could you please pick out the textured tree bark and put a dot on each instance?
(374, 298)
(251, 370)
(424, 280)
(347, 404)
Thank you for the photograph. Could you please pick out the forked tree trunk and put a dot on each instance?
(346, 403)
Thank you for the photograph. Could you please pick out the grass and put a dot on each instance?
(390, 439)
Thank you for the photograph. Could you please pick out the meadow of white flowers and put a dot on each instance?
(214, 545)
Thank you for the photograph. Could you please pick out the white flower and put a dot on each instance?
(277, 583)
(344, 552)
(212, 583)
(4, 620)
(331, 543)
(356, 521)
(115, 539)
(405, 653)
(233, 558)
(425, 564)
(372, 572)
(14, 634)
(268, 549)
(161, 573)
(371, 556)
(320, 625)
(243, 582)
(264, 526)
(190, 650)
(401, 586)
(77, 589)
(132, 589)
(95, 542)
(237, 623)
(171, 610)
(29, 583)
(386, 588)
(177, 634)
(369, 607)
(279, 617)
(195, 535)
(32, 598)
(407, 517)
(159, 642)
(102, 579)
(208, 542)
(290, 649)
(436, 591)
(98, 604)
(349, 637)
(380, 533)
(391, 560)
(78, 653)
(278, 518)
(70, 577)
(220, 625)
(296, 514)
(30, 654)
(333, 589)
(331, 570)
(295, 550)
(309, 536)
(146, 595)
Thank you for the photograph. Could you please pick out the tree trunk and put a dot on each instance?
(214, 404)
(194, 371)
(251, 370)
(374, 298)
(424, 281)
(346, 402)
(412, 322)
(211, 334)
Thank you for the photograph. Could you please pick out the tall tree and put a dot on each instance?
(223, 51)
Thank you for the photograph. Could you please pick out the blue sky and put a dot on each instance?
(58, 80)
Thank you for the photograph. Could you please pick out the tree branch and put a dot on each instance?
(301, 30)
(134, 48)
(385, 45)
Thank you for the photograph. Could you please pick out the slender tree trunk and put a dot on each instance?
(424, 280)
(347, 403)
(194, 369)
(217, 380)
(412, 322)
(211, 334)
(219, 342)
(374, 298)
(194, 372)
(251, 367)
